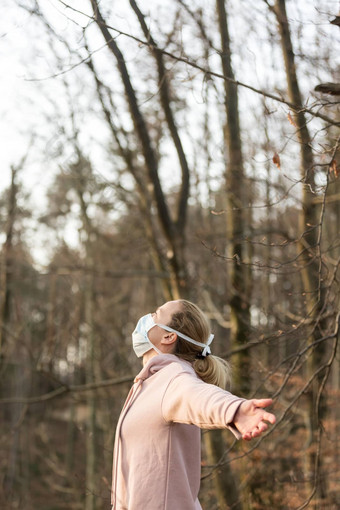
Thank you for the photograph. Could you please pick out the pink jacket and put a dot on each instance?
(157, 453)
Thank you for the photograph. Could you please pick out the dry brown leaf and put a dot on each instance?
(276, 160)
(291, 120)
(333, 168)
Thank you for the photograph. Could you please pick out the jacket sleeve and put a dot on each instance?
(188, 399)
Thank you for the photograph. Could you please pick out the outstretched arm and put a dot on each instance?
(251, 418)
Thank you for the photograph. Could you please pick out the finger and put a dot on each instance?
(256, 432)
(262, 426)
(269, 417)
(262, 402)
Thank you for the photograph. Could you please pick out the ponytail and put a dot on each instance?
(191, 321)
(213, 370)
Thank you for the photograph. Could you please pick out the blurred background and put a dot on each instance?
(153, 150)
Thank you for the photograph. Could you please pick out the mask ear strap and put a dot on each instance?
(206, 348)
(210, 339)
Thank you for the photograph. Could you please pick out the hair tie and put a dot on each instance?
(201, 355)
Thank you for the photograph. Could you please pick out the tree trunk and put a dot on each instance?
(311, 266)
(6, 262)
(90, 502)
(240, 276)
(173, 230)
(92, 348)
(226, 487)
(165, 98)
(145, 198)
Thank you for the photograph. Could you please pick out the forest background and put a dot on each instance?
(155, 150)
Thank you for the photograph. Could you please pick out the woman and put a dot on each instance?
(156, 462)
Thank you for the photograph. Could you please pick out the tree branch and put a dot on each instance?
(58, 392)
(208, 72)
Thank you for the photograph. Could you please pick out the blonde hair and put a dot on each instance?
(191, 321)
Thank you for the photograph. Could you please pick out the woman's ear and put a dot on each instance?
(169, 338)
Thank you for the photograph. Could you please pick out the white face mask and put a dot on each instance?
(140, 340)
(141, 343)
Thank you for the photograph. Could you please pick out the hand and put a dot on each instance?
(250, 418)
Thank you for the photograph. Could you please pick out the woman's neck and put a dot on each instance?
(148, 355)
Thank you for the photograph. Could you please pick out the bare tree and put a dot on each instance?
(173, 229)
